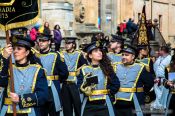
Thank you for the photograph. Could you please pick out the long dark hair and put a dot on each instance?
(32, 57)
(47, 30)
(55, 27)
(45, 24)
(105, 64)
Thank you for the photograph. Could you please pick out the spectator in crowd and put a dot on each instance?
(131, 26)
(46, 28)
(97, 37)
(118, 31)
(34, 31)
(160, 68)
(57, 37)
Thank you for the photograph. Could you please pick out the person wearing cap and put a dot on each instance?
(143, 57)
(161, 68)
(30, 84)
(169, 84)
(74, 60)
(22, 30)
(56, 70)
(102, 85)
(97, 36)
(116, 45)
(134, 82)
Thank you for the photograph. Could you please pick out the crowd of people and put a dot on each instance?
(108, 77)
(129, 29)
(57, 36)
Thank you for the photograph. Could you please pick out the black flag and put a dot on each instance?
(18, 13)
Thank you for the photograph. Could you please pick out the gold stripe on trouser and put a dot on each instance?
(100, 92)
(131, 90)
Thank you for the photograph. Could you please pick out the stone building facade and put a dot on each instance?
(109, 13)
(163, 10)
(84, 17)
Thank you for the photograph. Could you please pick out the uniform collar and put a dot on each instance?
(95, 66)
(128, 65)
(22, 65)
(45, 52)
(71, 52)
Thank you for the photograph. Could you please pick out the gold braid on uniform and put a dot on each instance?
(27, 102)
(61, 56)
(35, 52)
(1, 62)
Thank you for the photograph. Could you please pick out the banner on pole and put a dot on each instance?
(18, 13)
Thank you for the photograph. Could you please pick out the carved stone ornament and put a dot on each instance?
(79, 12)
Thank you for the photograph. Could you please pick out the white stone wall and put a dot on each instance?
(57, 13)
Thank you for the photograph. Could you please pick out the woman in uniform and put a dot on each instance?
(98, 82)
(30, 84)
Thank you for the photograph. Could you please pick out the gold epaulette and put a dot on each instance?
(115, 63)
(85, 66)
(78, 70)
(168, 68)
(36, 52)
(61, 56)
(146, 66)
(79, 51)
